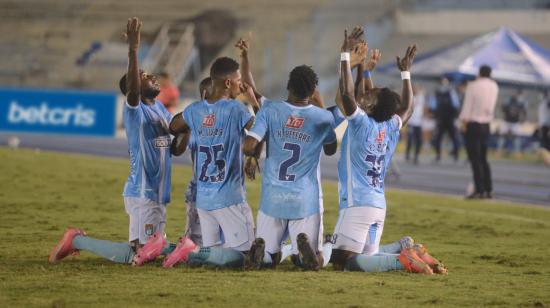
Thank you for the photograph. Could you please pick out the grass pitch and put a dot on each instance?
(497, 253)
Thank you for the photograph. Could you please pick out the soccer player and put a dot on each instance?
(147, 190)
(217, 126)
(367, 149)
(291, 201)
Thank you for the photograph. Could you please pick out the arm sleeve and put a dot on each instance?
(245, 115)
(132, 115)
(357, 117)
(330, 136)
(465, 113)
(397, 122)
(259, 129)
(187, 117)
(337, 115)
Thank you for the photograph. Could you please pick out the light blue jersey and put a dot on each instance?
(218, 131)
(295, 137)
(337, 114)
(367, 149)
(147, 130)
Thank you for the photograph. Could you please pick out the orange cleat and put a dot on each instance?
(412, 262)
(436, 266)
(65, 245)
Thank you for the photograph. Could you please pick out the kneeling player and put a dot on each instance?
(369, 144)
(291, 202)
(147, 190)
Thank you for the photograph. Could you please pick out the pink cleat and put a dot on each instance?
(65, 245)
(150, 250)
(180, 254)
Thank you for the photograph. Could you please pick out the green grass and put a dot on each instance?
(497, 253)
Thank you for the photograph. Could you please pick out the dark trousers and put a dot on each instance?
(476, 140)
(414, 138)
(545, 137)
(445, 126)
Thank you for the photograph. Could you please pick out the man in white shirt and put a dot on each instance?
(477, 113)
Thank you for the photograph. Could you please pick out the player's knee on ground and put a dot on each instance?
(340, 257)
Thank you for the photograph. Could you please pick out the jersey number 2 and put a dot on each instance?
(376, 170)
(212, 153)
(294, 158)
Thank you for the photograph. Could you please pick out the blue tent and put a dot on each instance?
(515, 59)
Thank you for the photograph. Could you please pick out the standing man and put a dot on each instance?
(515, 113)
(477, 113)
(291, 204)
(169, 93)
(445, 106)
(414, 129)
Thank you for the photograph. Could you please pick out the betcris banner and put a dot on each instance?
(58, 111)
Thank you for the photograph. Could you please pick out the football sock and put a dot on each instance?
(381, 263)
(168, 249)
(394, 247)
(116, 252)
(267, 259)
(218, 256)
(326, 252)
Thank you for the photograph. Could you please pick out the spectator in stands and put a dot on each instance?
(445, 105)
(477, 113)
(515, 113)
(169, 93)
(414, 127)
(544, 127)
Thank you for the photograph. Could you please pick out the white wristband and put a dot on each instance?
(405, 75)
(344, 56)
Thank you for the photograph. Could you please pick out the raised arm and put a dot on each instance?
(369, 67)
(346, 86)
(133, 78)
(246, 72)
(182, 133)
(404, 65)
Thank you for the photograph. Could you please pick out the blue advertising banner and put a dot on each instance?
(58, 111)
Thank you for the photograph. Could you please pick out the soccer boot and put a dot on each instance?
(181, 253)
(309, 257)
(436, 266)
(255, 255)
(151, 249)
(412, 262)
(65, 245)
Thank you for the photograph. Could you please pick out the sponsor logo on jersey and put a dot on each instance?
(162, 142)
(381, 136)
(209, 120)
(294, 122)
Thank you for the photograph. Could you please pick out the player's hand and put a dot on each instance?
(243, 46)
(133, 32)
(373, 60)
(352, 40)
(250, 167)
(359, 54)
(406, 63)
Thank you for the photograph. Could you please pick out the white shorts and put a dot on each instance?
(193, 227)
(274, 231)
(146, 218)
(359, 229)
(229, 227)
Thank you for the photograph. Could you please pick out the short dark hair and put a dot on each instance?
(122, 84)
(222, 67)
(164, 75)
(485, 71)
(302, 81)
(386, 105)
(206, 82)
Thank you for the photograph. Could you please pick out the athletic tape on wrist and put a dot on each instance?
(405, 75)
(344, 56)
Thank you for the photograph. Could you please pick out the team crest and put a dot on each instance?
(381, 136)
(149, 229)
(294, 122)
(209, 120)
